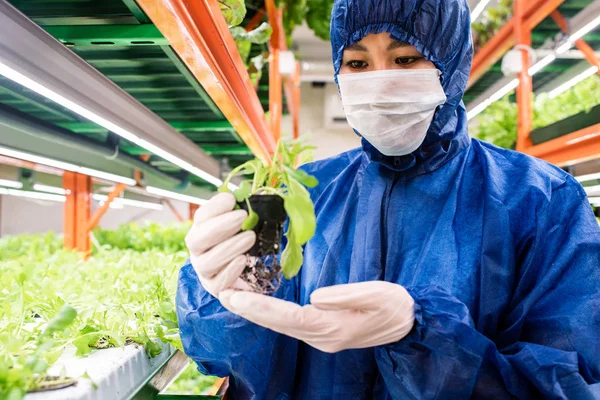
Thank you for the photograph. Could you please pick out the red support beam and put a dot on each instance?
(535, 12)
(199, 34)
(82, 212)
(525, 88)
(256, 20)
(570, 149)
(99, 213)
(580, 44)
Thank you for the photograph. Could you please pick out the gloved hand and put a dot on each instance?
(217, 248)
(342, 317)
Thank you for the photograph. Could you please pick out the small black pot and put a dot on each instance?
(263, 271)
(269, 230)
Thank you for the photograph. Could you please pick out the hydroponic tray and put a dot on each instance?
(569, 125)
(115, 374)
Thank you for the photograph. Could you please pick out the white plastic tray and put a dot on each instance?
(117, 373)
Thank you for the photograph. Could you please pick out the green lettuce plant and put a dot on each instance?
(281, 178)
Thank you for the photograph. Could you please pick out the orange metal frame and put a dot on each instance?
(173, 210)
(291, 85)
(77, 211)
(197, 31)
(566, 150)
(95, 219)
(535, 11)
(580, 44)
(193, 209)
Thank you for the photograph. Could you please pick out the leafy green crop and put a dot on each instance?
(169, 239)
(191, 382)
(281, 178)
(498, 123)
(51, 298)
(492, 20)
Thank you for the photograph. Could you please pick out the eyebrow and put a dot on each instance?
(396, 44)
(357, 47)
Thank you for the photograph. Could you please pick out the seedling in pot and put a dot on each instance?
(273, 194)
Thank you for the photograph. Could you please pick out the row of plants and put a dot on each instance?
(498, 123)
(52, 299)
(490, 22)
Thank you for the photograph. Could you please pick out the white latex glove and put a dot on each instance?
(217, 248)
(342, 317)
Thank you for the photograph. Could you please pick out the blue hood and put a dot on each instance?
(441, 31)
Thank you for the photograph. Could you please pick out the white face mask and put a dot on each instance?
(392, 109)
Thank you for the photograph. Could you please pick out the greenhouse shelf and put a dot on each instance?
(116, 374)
(569, 125)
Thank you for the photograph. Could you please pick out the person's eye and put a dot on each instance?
(356, 64)
(406, 60)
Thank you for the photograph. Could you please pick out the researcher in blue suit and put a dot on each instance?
(442, 267)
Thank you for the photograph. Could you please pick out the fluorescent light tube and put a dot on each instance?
(586, 178)
(506, 89)
(11, 184)
(479, 9)
(570, 83)
(585, 30)
(595, 201)
(66, 166)
(592, 189)
(63, 101)
(175, 196)
(564, 47)
(33, 195)
(543, 63)
(107, 176)
(121, 202)
(50, 189)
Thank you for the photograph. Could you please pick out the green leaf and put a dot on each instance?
(244, 191)
(300, 209)
(250, 222)
(260, 35)
(292, 258)
(63, 319)
(234, 11)
(303, 177)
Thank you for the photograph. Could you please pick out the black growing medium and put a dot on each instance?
(263, 269)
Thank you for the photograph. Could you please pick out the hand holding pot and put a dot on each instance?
(217, 248)
(352, 316)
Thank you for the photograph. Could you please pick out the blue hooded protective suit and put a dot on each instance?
(500, 251)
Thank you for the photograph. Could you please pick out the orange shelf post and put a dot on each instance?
(83, 205)
(534, 13)
(69, 224)
(199, 34)
(296, 99)
(525, 88)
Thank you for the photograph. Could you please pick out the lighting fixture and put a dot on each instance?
(175, 196)
(563, 48)
(506, 89)
(120, 202)
(50, 189)
(11, 184)
(543, 63)
(66, 166)
(595, 201)
(585, 30)
(586, 178)
(33, 195)
(479, 9)
(572, 82)
(592, 189)
(23, 80)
